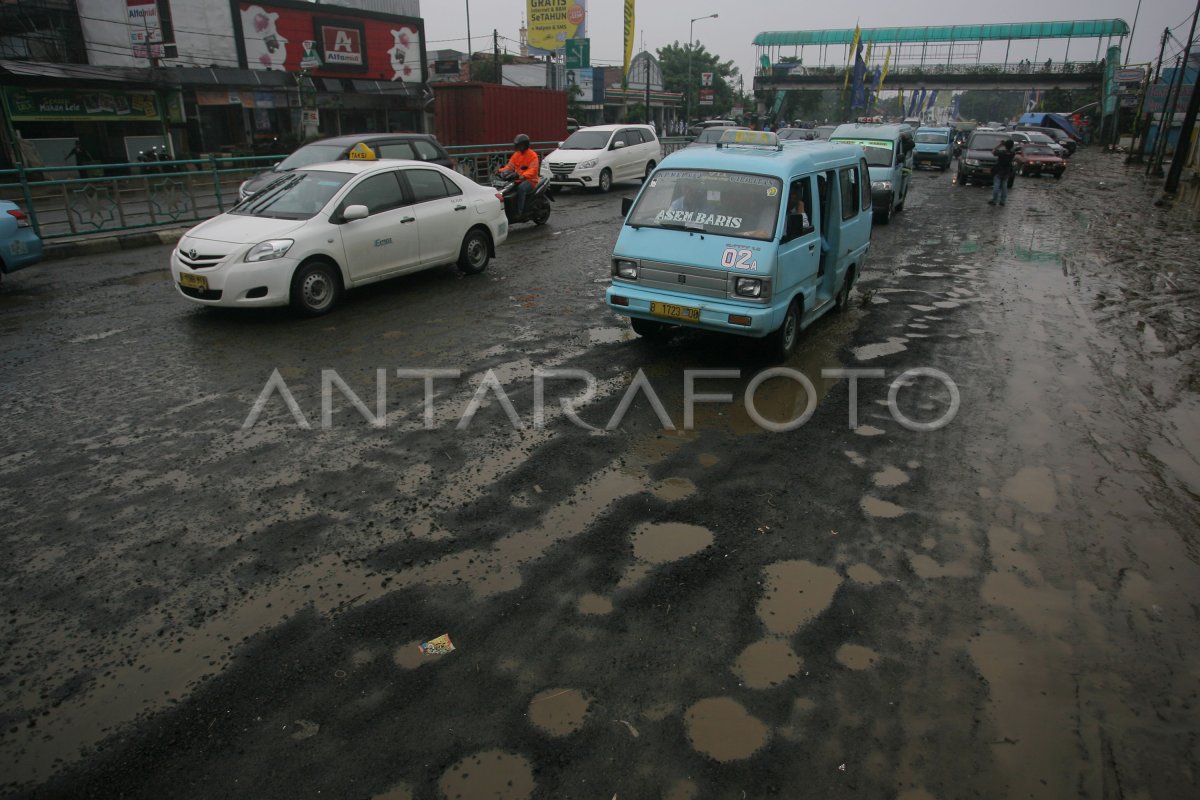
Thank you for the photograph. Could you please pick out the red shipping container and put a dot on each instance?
(489, 113)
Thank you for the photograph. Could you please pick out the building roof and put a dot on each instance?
(1078, 29)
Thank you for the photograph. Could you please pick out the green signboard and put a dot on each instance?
(579, 53)
(67, 105)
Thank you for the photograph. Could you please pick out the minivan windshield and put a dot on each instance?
(933, 138)
(298, 195)
(726, 203)
(587, 140)
(311, 154)
(987, 141)
(879, 152)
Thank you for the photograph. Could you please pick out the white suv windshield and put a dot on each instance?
(587, 140)
(297, 195)
(727, 203)
(312, 154)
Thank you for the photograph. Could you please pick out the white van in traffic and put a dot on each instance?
(598, 157)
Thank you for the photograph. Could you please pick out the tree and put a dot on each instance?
(990, 106)
(674, 61)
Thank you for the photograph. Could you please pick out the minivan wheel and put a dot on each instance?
(473, 256)
(782, 342)
(316, 288)
(842, 301)
(605, 180)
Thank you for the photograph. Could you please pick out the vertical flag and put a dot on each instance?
(887, 60)
(858, 91)
(954, 107)
(628, 35)
(873, 89)
(853, 49)
(912, 105)
(921, 103)
(932, 100)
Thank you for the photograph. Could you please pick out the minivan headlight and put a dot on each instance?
(971, 162)
(748, 287)
(881, 186)
(589, 164)
(623, 268)
(269, 250)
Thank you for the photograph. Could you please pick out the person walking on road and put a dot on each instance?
(1001, 172)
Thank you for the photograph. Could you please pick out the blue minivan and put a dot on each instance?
(935, 147)
(754, 237)
(889, 155)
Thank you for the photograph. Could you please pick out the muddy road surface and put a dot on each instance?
(1003, 607)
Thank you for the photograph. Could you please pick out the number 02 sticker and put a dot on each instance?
(738, 258)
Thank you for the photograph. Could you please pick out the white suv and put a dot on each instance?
(598, 157)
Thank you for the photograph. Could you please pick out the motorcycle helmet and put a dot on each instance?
(521, 142)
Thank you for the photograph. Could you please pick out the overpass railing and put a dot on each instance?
(785, 71)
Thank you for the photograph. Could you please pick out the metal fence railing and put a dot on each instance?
(107, 198)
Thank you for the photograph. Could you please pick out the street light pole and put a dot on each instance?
(687, 90)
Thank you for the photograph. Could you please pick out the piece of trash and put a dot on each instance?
(437, 647)
(833, 532)
(632, 730)
(842, 768)
(305, 730)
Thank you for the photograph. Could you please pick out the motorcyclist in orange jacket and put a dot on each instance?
(526, 164)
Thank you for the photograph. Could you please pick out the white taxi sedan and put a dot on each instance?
(317, 231)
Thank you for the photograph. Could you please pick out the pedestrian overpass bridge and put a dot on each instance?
(942, 57)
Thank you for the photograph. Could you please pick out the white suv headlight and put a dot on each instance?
(589, 164)
(269, 250)
(881, 186)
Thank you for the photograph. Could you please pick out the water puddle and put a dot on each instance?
(682, 789)
(95, 337)
(872, 351)
(707, 460)
(490, 775)
(868, 430)
(559, 712)
(855, 459)
(723, 730)
(856, 657)
(609, 335)
(655, 544)
(594, 604)
(927, 568)
(796, 592)
(674, 489)
(890, 477)
(400, 792)
(1033, 487)
(864, 574)
(157, 276)
(767, 663)
(882, 509)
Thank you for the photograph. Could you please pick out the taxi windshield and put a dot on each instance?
(297, 195)
(932, 138)
(878, 151)
(312, 154)
(728, 203)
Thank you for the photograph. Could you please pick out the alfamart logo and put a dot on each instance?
(490, 389)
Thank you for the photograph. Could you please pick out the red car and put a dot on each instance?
(1036, 159)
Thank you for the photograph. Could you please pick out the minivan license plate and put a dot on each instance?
(675, 312)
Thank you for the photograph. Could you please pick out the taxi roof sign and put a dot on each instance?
(360, 152)
(761, 139)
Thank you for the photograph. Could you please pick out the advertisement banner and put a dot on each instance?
(586, 81)
(144, 27)
(286, 37)
(67, 105)
(553, 22)
(1156, 98)
(629, 30)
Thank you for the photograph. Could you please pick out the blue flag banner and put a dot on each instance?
(932, 100)
(912, 105)
(858, 87)
(954, 107)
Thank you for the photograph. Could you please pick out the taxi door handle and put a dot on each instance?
(408, 219)
(460, 208)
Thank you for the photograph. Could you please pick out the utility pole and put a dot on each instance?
(496, 55)
(1189, 119)
(470, 55)
(1164, 122)
(1138, 152)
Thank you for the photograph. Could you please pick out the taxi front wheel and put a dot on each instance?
(316, 287)
(475, 253)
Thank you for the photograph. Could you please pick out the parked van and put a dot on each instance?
(889, 153)
(599, 156)
(752, 237)
(935, 147)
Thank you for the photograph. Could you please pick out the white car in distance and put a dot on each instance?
(315, 232)
(599, 156)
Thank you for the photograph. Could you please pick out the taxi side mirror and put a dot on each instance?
(626, 206)
(355, 212)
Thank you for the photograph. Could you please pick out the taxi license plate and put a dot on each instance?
(675, 312)
(193, 281)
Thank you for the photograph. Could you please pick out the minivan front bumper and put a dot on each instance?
(714, 314)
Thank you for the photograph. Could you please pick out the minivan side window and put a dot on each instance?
(378, 193)
(865, 173)
(848, 178)
(799, 202)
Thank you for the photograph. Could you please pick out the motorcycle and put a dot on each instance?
(537, 204)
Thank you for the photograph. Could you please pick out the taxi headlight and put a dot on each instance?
(623, 268)
(269, 250)
(881, 186)
(748, 287)
(971, 162)
(589, 164)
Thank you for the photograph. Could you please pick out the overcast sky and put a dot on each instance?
(666, 21)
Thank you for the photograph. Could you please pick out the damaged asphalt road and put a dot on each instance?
(1004, 607)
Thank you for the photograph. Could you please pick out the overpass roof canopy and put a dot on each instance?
(1079, 29)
